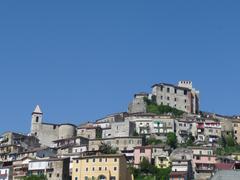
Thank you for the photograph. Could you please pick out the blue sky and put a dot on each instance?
(81, 60)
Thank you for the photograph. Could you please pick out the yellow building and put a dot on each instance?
(162, 161)
(100, 167)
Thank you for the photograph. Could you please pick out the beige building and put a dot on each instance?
(119, 143)
(182, 96)
(102, 167)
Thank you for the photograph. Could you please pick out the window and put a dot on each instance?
(100, 168)
(117, 141)
(76, 178)
(93, 169)
(198, 157)
(235, 132)
(115, 159)
(180, 124)
(161, 97)
(57, 174)
(185, 92)
(115, 168)
(50, 175)
(175, 91)
(106, 160)
(77, 161)
(168, 90)
(37, 118)
(105, 168)
(54, 126)
(86, 160)
(76, 169)
(112, 178)
(93, 160)
(200, 152)
(209, 158)
(168, 98)
(86, 178)
(175, 99)
(100, 160)
(161, 88)
(142, 150)
(35, 133)
(86, 169)
(185, 101)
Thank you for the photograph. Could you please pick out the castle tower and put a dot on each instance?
(36, 120)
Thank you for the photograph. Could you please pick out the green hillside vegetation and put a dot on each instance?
(152, 107)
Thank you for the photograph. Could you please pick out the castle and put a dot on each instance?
(48, 132)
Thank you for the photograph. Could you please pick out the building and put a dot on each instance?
(104, 167)
(181, 154)
(236, 130)
(6, 173)
(183, 96)
(89, 131)
(142, 152)
(119, 143)
(155, 154)
(204, 161)
(138, 105)
(226, 174)
(47, 132)
(185, 129)
(20, 168)
(78, 140)
(8, 152)
(119, 129)
(42, 152)
(53, 169)
(212, 131)
(149, 123)
(181, 170)
(13, 138)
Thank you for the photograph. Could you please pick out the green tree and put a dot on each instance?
(35, 177)
(146, 167)
(107, 149)
(153, 141)
(190, 140)
(172, 140)
(98, 133)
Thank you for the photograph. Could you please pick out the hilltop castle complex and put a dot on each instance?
(190, 145)
(183, 97)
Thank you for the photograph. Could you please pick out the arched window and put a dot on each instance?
(37, 118)
(102, 177)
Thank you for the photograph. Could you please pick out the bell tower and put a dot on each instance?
(36, 120)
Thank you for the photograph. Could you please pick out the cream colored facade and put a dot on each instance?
(104, 167)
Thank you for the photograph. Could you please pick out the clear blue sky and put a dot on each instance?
(81, 60)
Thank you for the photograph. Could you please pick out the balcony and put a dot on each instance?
(205, 168)
(183, 133)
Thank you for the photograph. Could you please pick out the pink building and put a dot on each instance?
(142, 152)
(204, 159)
(204, 163)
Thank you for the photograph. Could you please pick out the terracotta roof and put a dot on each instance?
(178, 174)
(225, 166)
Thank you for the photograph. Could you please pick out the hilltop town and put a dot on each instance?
(163, 135)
